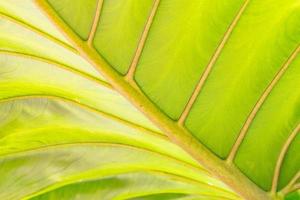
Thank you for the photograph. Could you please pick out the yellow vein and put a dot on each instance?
(130, 74)
(281, 157)
(259, 103)
(95, 23)
(88, 108)
(291, 184)
(210, 65)
(38, 31)
(59, 65)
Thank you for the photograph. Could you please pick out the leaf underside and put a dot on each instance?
(227, 71)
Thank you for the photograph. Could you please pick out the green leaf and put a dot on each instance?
(152, 99)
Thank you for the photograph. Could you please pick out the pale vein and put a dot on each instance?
(88, 108)
(59, 65)
(210, 65)
(38, 31)
(290, 185)
(281, 157)
(95, 22)
(259, 103)
(130, 74)
(167, 157)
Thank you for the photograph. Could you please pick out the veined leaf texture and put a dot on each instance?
(149, 99)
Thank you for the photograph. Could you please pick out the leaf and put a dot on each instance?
(64, 145)
(218, 78)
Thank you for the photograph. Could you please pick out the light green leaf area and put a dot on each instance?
(48, 144)
(25, 13)
(151, 99)
(16, 36)
(20, 77)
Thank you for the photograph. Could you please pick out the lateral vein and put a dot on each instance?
(290, 185)
(259, 103)
(95, 23)
(210, 65)
(131, 71)
(111, 144)
(38, 31)
(282, 154)
(88, 108)
(59, 65)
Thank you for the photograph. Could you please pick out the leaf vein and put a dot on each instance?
(38, 31)
(95, 23)
(259, 104)
(59, 65)
(281, 156)
(88, 108)
(131, 71)
(210, 65)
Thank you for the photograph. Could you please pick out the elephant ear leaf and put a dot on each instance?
(152, 99)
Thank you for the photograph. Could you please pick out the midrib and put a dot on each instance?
(179, 135)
